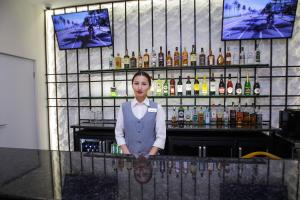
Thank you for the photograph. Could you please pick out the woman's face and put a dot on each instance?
(140, 87)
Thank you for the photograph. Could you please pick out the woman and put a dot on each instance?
(141, 128)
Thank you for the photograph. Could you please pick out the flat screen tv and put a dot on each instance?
(258, 19)
(83, 29)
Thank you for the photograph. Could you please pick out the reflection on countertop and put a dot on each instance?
(42, 174)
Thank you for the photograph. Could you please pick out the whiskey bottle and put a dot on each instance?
(169, 60)
(238, 86)
(193, 56)
(133, 61)
(210, 58)
(242, 56)
(232, 116)
(212, 89)
(146, 59)
(159, 86)
(229, 86)
(118, 61)
(196, 86)
(204, 86)
(247, 86)
(256, 87)
(181, 117)
(188, 87)
(174, 118)
(172, 86)
(220, 59)
(140, 60)
(202, 57)
(185, 57)
(228, 57)
(179, 86)
(176, 57)
(161, 58)
(166, 88)
(257, 54)
(153, 58)
(221, 86)
(126, 60)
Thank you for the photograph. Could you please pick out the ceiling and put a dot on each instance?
(66, 3)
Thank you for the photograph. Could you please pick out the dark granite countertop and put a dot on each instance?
(41, 174)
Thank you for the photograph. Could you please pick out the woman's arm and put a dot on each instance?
(160, 130)
(119, 132)
(153, 151)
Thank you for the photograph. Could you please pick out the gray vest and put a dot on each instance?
(139, 133)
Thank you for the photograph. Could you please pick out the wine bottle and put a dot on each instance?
(247, 86)
(172, 86)
(256, 87)
(204, 86)
(238, 86)
(179, 86)
(166, 88)
(193, 56)
(229, 86)
(221, 86)
(212, 89)
(196, 86)
(188, 87)
(202, 57)
(126, 60)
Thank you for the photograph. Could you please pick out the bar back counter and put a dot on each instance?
(41, 174)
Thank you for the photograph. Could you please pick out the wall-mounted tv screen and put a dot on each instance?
(258, 19)
(83, 29)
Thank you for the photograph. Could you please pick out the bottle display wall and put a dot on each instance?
(81, 82)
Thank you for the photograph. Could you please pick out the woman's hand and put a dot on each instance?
(125, 149)
(153, 151)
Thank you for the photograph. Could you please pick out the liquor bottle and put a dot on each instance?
(126, 60)
(229, 86)
(159, 86)
(226, 116)
(238, 86)
(200, 117)
(220, 59)
(256, 87)
(202, 57)
(204, 86)
(257, 54)
(188, 117)
(221, 86)
(185, 57)
(242, 56)
(210, 58)
(195, 115)
(161, 61)
(133, 61)
(166, 88)
(118, 61)
(246, 116)
(181, 116)
(172, 86)
(140, 60)
(174, 118)
(252, 116)
(239, 117)
(196, 86)
(188, 87)
(219, 116)
(169, 60)
(212, 89)
(193, 56)
(228, 57)
(111, 61)
(232, 116)
(153, 58)
(146, 59)
(207, 116)
(213, 114)
(176, 57)
(179, 86)
(247, 86)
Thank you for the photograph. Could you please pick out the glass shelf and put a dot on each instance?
(175, 68)
(184, 97)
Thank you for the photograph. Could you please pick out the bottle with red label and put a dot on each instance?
(221, 86)
(229, 86)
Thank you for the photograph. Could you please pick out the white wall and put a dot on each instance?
(22, 34)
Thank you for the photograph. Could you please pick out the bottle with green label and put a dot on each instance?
(166, 88)
(247, 86)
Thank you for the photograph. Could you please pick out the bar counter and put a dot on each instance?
(42, 174)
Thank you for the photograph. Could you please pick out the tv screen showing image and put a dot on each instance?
(83, 29)
(258, 19)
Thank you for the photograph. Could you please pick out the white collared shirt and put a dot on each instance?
(139, 110)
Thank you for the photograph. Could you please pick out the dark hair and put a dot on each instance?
(142, 73)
